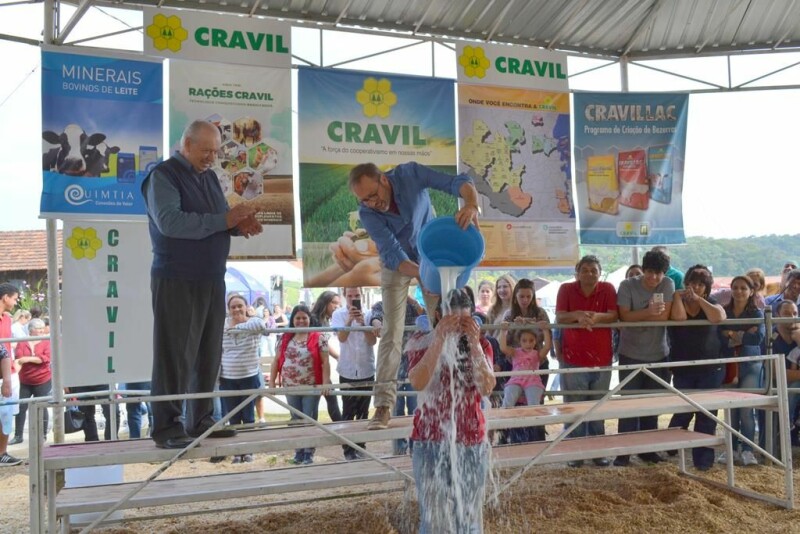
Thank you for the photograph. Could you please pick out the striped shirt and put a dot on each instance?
(240, 350)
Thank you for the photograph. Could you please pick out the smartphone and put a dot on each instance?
(658, 298)
(126, 168)
(357, 304)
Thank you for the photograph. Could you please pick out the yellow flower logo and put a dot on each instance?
(167, 32)
(376, 97)
(84, 243)
(474, 62)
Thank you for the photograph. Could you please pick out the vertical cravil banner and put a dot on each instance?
(101, 134)
(346, 118)
(629, 159)
(514, 141)
(251, 107)
(107, 315)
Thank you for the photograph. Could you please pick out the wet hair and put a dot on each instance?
(460, 300)
(632, 267)
(589, 258)
(319, 311)
(751, 301)
(370, 170)
(301, 308)
(701, 274)
(533, 310)
(7, 288)
(235, 296)
(655, 260)
(471, 294)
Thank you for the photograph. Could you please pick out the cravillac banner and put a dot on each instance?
(346, 118)
(101, 134)
(251, 107)
(514, 141)
(181, 34)
(629, 159)
(107, 324)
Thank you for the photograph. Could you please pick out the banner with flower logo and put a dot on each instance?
(514, 141)
(102, 131)
(346, 118)
(107, 319)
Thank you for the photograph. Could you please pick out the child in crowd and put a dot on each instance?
(525, 358)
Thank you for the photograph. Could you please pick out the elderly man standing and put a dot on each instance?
(394, 208)
(190, 230)
(587, 302)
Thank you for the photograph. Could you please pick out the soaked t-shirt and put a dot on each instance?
(435, 407)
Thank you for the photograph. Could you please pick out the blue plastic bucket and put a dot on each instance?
(442, 243)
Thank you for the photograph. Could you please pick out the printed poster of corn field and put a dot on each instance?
(346, 118)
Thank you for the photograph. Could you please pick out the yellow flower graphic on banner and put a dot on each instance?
(474, 62)
(376, 97)
(84, 243)
(167, 32)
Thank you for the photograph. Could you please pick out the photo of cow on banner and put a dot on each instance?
(101, 133)
(347, 118)
(629, 158)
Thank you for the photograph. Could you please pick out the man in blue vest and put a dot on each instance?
(190, 230)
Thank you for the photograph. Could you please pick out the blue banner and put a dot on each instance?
(629, 166)
(101, 134)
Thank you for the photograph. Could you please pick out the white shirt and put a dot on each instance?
(356, 356)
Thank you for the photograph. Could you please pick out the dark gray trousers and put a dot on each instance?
(188, 320)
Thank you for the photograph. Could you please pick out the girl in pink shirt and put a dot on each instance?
(525, 358)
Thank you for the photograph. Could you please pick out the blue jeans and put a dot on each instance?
(710, 379)
(598, 381)
(246, 415)
(512, 393)
(404, 405)
(640, 381)
(450, 497)
(309, 405)
(138, 409)
(744, 419)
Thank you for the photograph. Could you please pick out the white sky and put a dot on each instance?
(740, 162)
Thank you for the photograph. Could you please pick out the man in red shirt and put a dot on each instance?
(587, 302)
(9, 383)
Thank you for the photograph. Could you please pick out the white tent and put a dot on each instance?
(263, 270)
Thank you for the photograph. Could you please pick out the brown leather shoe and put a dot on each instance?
(381, 418)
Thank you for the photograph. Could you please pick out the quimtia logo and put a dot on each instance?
(76, 195)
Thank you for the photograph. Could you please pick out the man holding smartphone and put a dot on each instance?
(356, 359)
(647, 297)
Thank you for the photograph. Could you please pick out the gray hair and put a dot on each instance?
(36, 324)
(192, 132)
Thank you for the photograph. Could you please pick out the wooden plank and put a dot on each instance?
(338, 475)
(283, 438)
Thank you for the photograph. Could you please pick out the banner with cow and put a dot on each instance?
(251, 106)
(102, 130)
(346, 118)
(629, 166)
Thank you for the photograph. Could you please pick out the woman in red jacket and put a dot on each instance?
(302, 361)
(35, 378)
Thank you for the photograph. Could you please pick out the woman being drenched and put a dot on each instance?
(450, 369)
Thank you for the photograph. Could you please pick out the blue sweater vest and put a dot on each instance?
(191, 259)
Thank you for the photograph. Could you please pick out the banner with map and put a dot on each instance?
(251, 107)
(629, 161)
(346, 118)
(515, 144)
